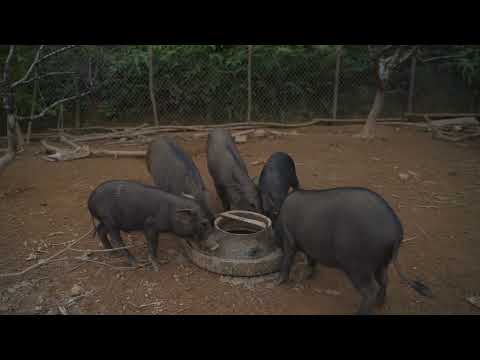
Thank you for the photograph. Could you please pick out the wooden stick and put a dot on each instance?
(46, 261)
(101, 251)
(108, 265)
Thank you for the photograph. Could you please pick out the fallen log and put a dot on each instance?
(82, 152)
(456, 121)
(440, 115)
(117, 153)
(438, 134)
(407, 124)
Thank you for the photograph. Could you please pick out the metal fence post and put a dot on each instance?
(151, 85)
(249, 110)
(411, 91)
(337, 81)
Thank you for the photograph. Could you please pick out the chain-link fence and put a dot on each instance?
(195, 84)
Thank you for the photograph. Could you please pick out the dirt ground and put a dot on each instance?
(43, 205)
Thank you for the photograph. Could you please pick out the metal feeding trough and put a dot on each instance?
(245, 248)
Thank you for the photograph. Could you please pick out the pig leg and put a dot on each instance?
(151, 235)
(368, 287)
(381, 275)
(223, 198)
(102, 234)
(310, 267)
(289, 252)
(117, 242)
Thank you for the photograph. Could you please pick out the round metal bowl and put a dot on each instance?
(245, 246)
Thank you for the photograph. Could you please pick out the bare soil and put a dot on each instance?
(43, 205)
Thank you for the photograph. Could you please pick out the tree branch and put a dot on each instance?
(38, 60)
(50, 74)
(56, 52)
(56, 103)
(30, 69)
(6, 68)
(441, 58)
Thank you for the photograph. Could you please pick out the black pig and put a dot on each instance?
(131, 206)
(230, 175)
(175, 172)
(351, 229)
(276, 179)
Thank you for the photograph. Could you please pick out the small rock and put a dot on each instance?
(403, 176)
(258, 162)
(241, 139)
(76, 290)
(38, 308)
(328, 292)
(332, 293)
(474, 300)
(413, 173)
(260, 133)
(11, 290)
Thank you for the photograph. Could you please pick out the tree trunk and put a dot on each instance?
(6, 159)
(368, 131)
(34, 104)
(151, 85)
(382, 72)
(20, 139)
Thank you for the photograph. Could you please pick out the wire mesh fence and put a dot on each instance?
(195, 84)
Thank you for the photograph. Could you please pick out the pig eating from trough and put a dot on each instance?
(131, 206)
(276, 179)
(175, 172)
(230, 175)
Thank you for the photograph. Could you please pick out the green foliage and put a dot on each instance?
(210, 81)
(468, 64)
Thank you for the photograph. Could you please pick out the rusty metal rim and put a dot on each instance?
(231, 267)
(267, 221)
